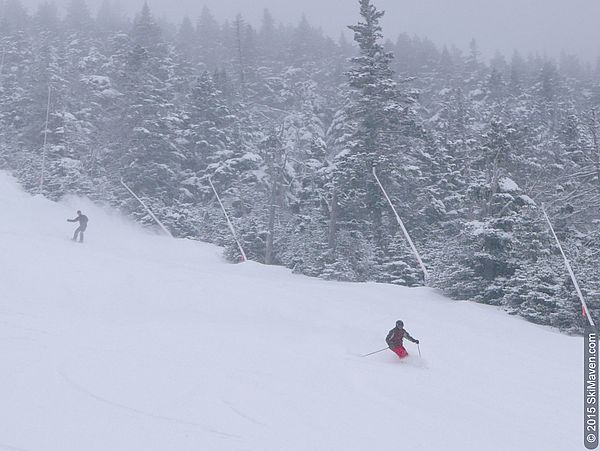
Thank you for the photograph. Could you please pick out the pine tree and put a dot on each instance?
(209, 123)
(209, 40)
(376, 111)
(78, 17)
(186, 42)
(149, 161)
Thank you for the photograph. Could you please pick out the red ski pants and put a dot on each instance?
(401, 351)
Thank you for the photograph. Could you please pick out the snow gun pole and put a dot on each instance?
(584, 307)
(412, 246)
(228, 221)
(375, 352)
(147, 209)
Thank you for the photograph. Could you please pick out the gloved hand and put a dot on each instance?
(416, 341)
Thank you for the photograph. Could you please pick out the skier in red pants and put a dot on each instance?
(394, 339)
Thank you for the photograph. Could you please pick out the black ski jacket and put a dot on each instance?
(82, 219)
(395, 336)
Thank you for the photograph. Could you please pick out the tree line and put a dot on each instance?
(288, 124)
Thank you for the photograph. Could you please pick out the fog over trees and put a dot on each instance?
(288, 123)
(548, 27)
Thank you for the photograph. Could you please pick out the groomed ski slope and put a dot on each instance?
(134, 341)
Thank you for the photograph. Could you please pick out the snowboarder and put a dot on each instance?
(83, 220)
(394, 339)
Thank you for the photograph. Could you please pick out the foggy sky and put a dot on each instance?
(543, 26)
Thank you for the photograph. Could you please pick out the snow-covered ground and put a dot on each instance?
(134, 341)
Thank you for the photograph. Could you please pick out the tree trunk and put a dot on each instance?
(333, 211)
(271, 226)
(494, 179)
(242, 69)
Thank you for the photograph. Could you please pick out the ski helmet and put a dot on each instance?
(399, 324)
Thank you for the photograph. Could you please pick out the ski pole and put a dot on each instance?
(375, 352)
(419, 348)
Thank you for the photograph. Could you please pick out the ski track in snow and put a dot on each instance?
(74, 385)
(243, 415)
(27, 329)
(4, 447)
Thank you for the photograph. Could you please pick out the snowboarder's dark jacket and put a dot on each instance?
(395, 336)
(83, 220)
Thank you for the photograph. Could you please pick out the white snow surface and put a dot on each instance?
(134, 341)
